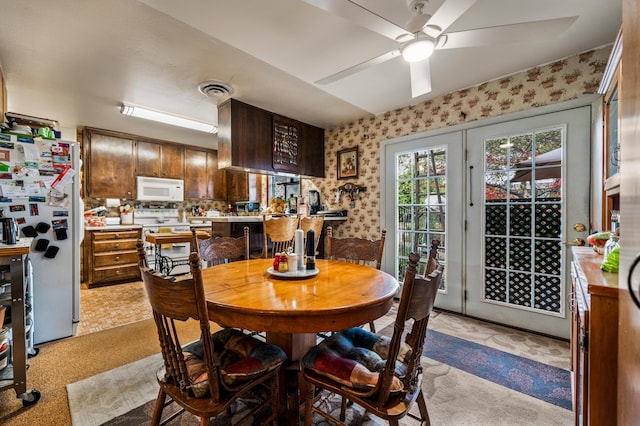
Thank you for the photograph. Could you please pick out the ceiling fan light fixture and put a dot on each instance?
(418, 49)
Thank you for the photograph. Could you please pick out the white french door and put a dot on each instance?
(421, 201)
(528, 186)
(502, 214)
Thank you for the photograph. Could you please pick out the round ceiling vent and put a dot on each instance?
(215, 89)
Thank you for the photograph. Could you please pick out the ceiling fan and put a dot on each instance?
(426, 32)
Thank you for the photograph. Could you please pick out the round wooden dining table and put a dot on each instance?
(292, 310)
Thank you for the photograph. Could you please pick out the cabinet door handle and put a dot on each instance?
(117, 257)
(117, 245)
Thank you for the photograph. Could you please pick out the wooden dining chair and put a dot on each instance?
(208, 376)
(385, 378)
(142, 254)
(218, 250)
(357, 250)
(278, 233)
(312, 222)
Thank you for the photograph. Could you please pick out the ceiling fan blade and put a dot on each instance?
(503, 34)
(420, 78)
(361, 66)
(357, 14)
(446, 15)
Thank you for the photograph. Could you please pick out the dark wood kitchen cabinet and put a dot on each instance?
(244, 186)
(110, 255)
(217, 179)
(244, 136)
(109, 165)
(160, 160)
(195, 176)
(202, 178)
(114, 159)
(311, 150)
(246, 141)
(594, 339)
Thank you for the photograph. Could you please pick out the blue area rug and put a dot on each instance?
(542, 381)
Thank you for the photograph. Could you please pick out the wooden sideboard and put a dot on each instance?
(594, 339)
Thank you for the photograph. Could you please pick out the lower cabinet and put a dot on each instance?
(594, 339)
(110, 256)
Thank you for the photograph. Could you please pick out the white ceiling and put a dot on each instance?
(75, 61)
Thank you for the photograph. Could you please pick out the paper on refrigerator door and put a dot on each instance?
(64, 179)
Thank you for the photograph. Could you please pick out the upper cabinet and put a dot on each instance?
(172, 161)
(311, 152)
(611, 87)
(244, 186)
(195, 177)
(202, 179)
(113, 160)
(244, 137)
(109, 165)
(159, 160)
(253, 139)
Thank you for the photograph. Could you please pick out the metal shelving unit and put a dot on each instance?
(14, 270)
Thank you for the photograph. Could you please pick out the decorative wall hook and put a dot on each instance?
(353, 191)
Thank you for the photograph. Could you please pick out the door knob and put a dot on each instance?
(575, 242)
(579, 227)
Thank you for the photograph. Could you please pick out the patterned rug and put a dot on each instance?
(466, 383)
(542, 381)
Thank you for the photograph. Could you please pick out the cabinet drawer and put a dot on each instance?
(116, 235)
(117, 245)
(112, 259)
(116, 273)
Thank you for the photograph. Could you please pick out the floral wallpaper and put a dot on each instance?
(559, 81)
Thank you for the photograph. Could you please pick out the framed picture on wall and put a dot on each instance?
(348, 163)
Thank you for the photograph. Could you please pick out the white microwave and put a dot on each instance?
(160, 189)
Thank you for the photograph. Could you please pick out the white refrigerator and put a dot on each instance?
(40, 183)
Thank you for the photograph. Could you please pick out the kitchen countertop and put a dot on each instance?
(22, 246)
(112, 227)
(241, 219)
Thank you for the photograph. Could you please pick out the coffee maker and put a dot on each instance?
(314, 202)
(9, 229)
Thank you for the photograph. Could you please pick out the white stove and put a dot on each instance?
(155, 220)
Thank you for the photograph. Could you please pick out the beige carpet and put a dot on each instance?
(71, 360)
(454, 397)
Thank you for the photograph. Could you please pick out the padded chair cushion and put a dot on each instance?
(354, 358)
(241, 358)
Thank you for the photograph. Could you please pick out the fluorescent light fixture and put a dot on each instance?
(418, 49)
(163, 117)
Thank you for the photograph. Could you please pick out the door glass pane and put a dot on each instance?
(522, 225)
(421, 193)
